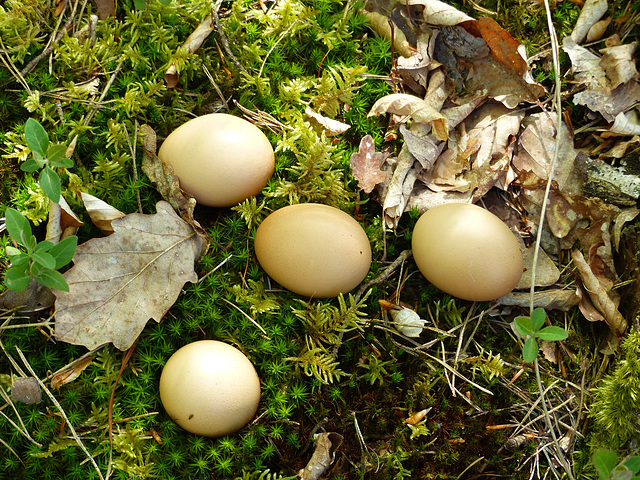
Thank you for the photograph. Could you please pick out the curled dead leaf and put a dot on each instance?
(331, 127)
(591, 12)
(418, 416)
(323, 456)
(100, 212)
(414, 107)
(69, 373)
(600, 297)
(191, 45)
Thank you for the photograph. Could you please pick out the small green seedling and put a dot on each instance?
(40, 260)
(45, 157)
(606, 464)
(531, 329)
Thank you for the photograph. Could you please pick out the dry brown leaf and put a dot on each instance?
(619, 64)
(585, 65)
(399, 189)
(167, 182)
(323, 456)
(504, 74)
(366, 163)
(191, 45)
(70, 373)
(599, 295)
(331, 127)
(62, 221)
(417, 417)
(591, 12)
(100, 212)
(31, 301)
(586, 306)
(119, 282)
(626, 123)
(556, 299)
(550, 351)
(597, 30)
(380, 24)
(546, 271)
(106, 8)
(440, 13)
(414, 107)
(422, 145)
(536, 147)
(622, 218)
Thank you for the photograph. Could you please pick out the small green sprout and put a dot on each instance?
(40, 260)
(45, 157)
(531, 329)
(606, 464)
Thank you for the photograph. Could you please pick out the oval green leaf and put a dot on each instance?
(522, 326)
(53, 279)
(18, 226)
(45, 259)
(552, 334)
(16, 279)
(36, 136)
(537, 318)
(530, 350)
(29, 166)
(50, 183)
(63, 252)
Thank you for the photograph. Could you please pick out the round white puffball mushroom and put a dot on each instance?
(467, 252)
(210, 388)
(221, 160)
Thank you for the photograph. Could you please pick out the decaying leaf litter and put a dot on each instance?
(458, 146)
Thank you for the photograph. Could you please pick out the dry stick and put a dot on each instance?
(13, 69)
(225, 42)
(32, 64)
(23, 431)
(62, 412)
(215, 86)
(93, 111)
(386, 273)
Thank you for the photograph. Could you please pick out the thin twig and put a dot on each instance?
(386, 273)
(32, 64)
(215, 86)
(62, 412)
(225, 42)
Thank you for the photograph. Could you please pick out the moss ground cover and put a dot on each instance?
(330, 365)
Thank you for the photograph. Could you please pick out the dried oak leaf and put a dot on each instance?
(504, 74)
(366, 163)
(119, 282)
(414, 107)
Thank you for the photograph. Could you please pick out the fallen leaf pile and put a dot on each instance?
(466, 138)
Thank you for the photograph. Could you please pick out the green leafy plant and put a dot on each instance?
(606, 464)
(45, 157)
(531, 329)
(35, 260)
